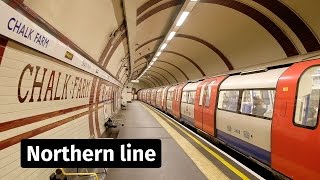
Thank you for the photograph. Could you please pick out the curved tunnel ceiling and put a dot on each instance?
(222, 35)
(217, 36)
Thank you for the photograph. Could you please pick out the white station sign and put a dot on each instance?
(17, 27)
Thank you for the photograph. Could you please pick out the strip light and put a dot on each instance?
(171, 35)
(158, 54)
(182, 18)
(163, 46)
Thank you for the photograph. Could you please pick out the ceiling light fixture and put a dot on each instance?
(158, 54)
(194, 0)
(163, 46)
(182, 18)
(171, 35)
(154, 59)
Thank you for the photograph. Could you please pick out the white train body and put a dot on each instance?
(187, 102)
(170, 99)
(247, 126)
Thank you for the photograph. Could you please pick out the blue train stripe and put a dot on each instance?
(245, 147)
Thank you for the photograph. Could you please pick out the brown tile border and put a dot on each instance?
(113, 49)
(264, 21)
(175, 67)
(3, 44)
(145, 78)
(154, 72)
(303, 32)
(16, 139)
(157, 9)
(90, 119)
(187, 58)
(149, 41)
(165, 71)
(37, 118)
(146, 6)
(203, 42)
(96, 115)
(157, 79)
(210, 46)
(109, 45)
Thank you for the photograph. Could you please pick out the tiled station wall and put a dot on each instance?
(43, 98)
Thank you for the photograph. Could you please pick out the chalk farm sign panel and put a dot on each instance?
(17, 27)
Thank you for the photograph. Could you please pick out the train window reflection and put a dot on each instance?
(228, 100)
(258, 102)
(170, 95)
(184, 97)
(192, 95)
(208, 93)
(202, 93)
(307, 104)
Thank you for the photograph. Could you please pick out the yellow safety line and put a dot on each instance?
(217, 156)
(79, 174)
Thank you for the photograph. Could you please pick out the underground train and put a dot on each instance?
(268, 113)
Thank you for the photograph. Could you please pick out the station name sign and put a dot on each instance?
(18, 28)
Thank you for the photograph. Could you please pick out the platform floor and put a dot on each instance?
(184, 156)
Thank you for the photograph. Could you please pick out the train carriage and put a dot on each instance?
(295, 138)
(269, 113)
(205, 104)
(245, 109)
(170, 99)
(148, 96)
(187, 102)
(159, 97)
(164, 98)
(176, 105)
(153, 97)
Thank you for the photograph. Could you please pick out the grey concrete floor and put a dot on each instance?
(176, 164)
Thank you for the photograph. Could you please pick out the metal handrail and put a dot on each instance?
(79, 174)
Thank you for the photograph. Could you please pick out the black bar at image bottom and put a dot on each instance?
(91, 153)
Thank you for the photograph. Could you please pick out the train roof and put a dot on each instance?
(266, 79)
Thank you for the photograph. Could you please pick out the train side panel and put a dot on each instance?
(159, 97)
(205, 104)
(176, 105)
(170, 98)
(187, 103)
(153, 97)
(295, 130)
(164, 98)
(148, 96)
(245, 108)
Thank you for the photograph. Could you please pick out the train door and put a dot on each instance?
(295, 131)
(207, 104)
(176, 106)
(115, 101)
(198, 110)
(164, 98)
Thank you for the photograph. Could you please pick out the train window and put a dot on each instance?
(185, 97)
(202, 93)
(307, 104)
(228, 100)
(258, 102)
(169, 95)
(208, 93)
(192, 95)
